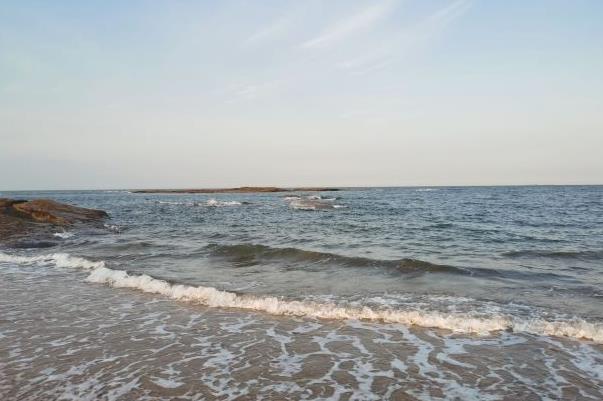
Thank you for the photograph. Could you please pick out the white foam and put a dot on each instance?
(301, 206)
(311, 204)
(64, 234)
(462, 323)
(318, 197)
(112, 227)
(177, 203)
(212, 297)
(56, 259)
(217, 203)
(167, 383)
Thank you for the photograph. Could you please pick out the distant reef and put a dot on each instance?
(239, 190)
(25, 223)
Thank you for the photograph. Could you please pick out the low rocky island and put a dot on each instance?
(233, 190)
(27, 221)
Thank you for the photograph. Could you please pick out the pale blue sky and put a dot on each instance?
(131, 94)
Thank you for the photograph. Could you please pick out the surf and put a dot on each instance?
(99, 273)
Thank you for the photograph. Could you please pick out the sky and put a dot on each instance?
(172, 94)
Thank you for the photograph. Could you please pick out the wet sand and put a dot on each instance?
(93, 342)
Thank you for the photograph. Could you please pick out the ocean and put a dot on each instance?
(443, 293)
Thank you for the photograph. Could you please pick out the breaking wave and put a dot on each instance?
(64, 234)
(218, 203)
(319, 197)
(113, 227)
(56, 259)
(212, 297)
(313, 204)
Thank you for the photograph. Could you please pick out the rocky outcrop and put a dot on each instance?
(233, 190)
(38, 218)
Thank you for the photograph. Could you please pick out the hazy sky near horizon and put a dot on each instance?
(113, 94)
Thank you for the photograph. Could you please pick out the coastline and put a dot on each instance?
(237, 190)
(283, 297)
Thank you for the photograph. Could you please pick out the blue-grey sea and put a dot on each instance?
(468, 293)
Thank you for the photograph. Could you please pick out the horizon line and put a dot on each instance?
(301, 187)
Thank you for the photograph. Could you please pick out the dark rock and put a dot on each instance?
(233, 190)
(39, 218)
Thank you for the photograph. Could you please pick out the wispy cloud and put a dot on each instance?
(342, 29)
(269, 32)
(406, 39)
(441, 18)
(250, 91)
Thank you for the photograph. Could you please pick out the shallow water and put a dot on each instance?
(399, 293)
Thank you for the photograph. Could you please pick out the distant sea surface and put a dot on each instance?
(469, 293)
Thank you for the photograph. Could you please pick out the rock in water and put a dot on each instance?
(39, 218)
(45, 210)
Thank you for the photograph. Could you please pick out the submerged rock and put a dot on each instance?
(40, 218)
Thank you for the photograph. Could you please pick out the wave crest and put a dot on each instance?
(456, 322)
(251, 254)
(218, 203)
(212, 297)
(313, 202)
(57, 259)
(65, 234)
